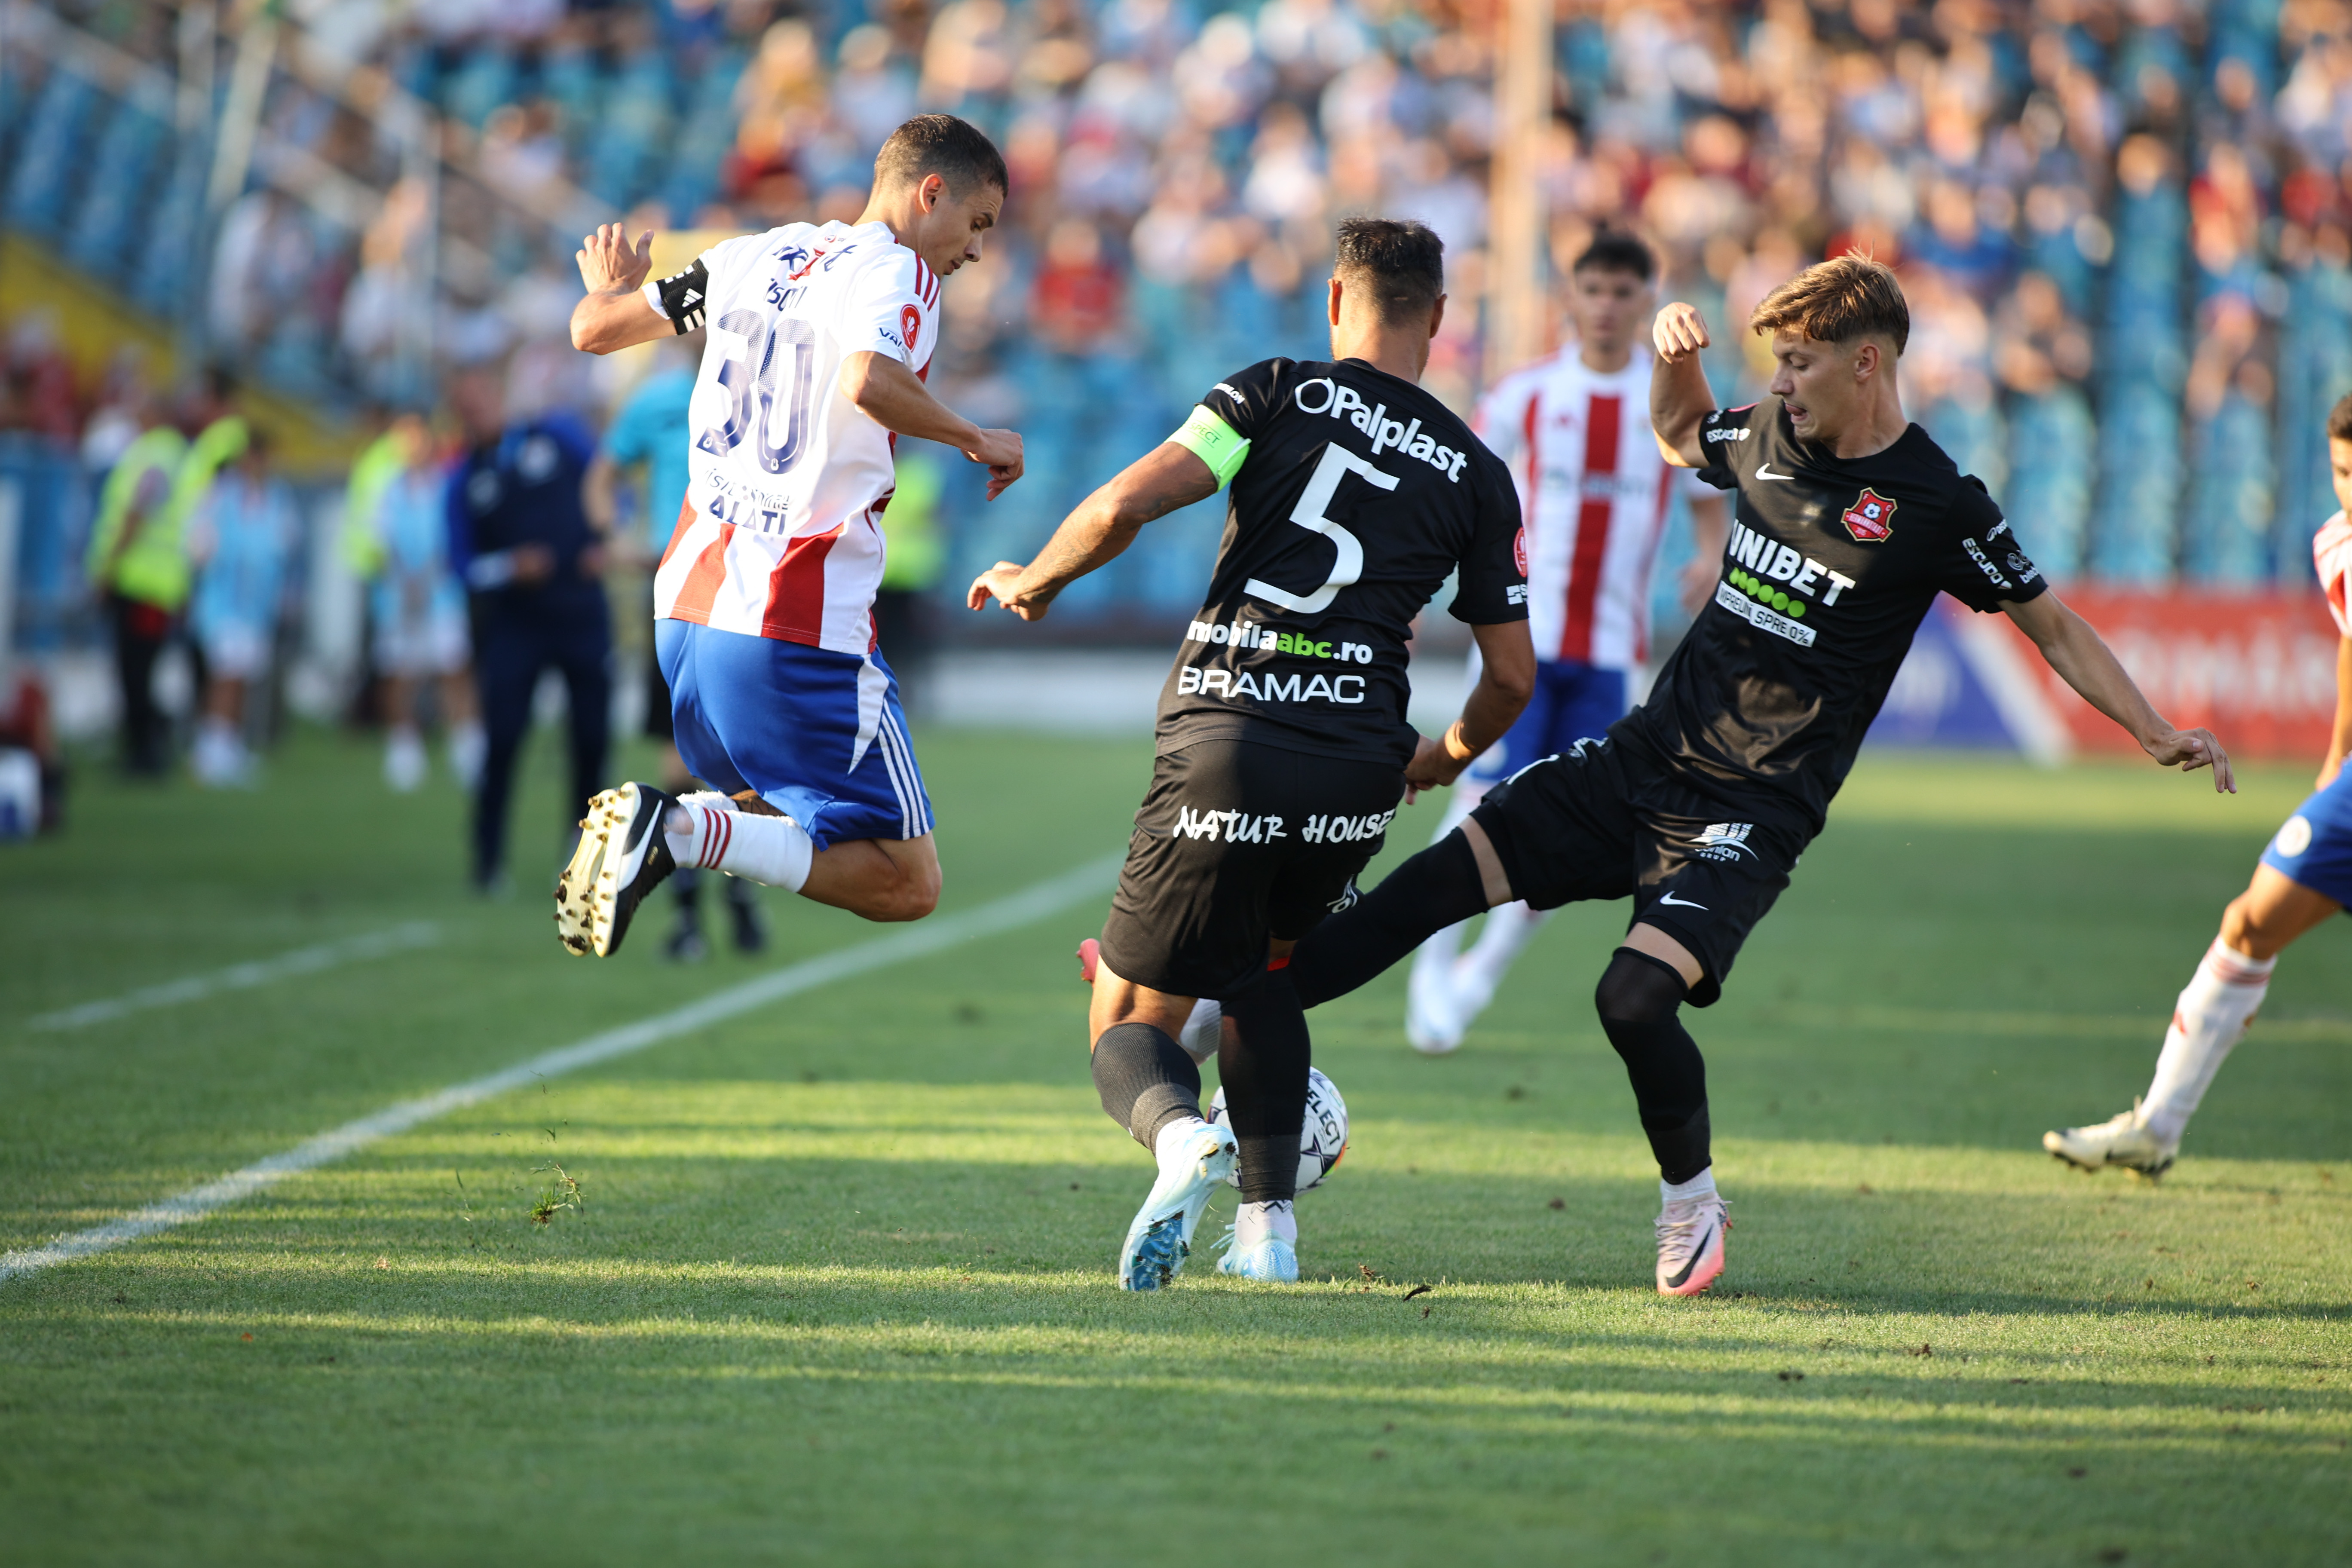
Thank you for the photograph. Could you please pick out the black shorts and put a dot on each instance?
(1239, 843)
(1598, 821)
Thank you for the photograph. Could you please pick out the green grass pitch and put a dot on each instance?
(841, 1289)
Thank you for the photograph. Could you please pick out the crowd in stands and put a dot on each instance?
(2125, 226)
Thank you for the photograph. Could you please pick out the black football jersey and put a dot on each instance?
(1831, 565)
(1359, 495)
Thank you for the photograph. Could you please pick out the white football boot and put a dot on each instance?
(623, 855)
(1690, 1243)
(2121, 1140)
(1159, 1239)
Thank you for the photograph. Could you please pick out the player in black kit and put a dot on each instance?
(1850, 522)
(1282, 745)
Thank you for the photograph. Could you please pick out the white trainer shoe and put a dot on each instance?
(1690, 1243)
(2122, 1140)
(1159, 1239)
(1272, 1260)
(622, 855)
(404, 764)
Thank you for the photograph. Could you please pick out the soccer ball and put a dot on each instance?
(1322, 1142)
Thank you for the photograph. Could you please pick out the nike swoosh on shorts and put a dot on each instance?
(1678, 903)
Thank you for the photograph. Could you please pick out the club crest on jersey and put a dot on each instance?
(910, 325)
(1871, 517)
(1519, 551)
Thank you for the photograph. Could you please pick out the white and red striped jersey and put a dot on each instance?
(1593, 490)
(2331, 552)
(782, 533)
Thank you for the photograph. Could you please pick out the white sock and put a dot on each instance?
(706, 830)
(1256, 1222)
(1698, 1186)
(1509, 928)
(2209, 1018)
(1171, 1145)
(1203, 1030)
(469, 745)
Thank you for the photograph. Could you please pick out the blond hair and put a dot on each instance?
(1836, 301)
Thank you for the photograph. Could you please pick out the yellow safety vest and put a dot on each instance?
(147, 463)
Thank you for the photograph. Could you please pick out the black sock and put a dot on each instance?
(1437, 888)
(1638, 999)
(1263, 1062)
(1145, 1079)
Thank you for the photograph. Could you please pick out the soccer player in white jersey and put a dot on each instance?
(1595, 490)
(2304, 876)
(820, 339)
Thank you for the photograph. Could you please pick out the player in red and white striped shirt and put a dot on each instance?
(2303, 881)
(820, 338)
(1595, 489)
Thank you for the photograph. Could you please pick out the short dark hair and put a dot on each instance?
(955, 150)
(1615, 250)
(2339, 420)
(1402, 262)
(1838, 300)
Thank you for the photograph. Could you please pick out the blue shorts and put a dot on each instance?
(1572, 702)
(2315, 847)
(819, 735)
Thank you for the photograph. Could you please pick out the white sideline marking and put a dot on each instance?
(243, 976)
(1004, 914)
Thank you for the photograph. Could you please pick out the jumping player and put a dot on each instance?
(2304, 877)
(820, 338)
(1850, 520)
(1595, 490)
(1282, 745)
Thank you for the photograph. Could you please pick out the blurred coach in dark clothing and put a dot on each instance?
(534, 565)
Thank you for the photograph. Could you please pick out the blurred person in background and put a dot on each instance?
(522, 541)
(1594, 488)
(240, 538)
(2303, 880)
(396, 539)
(137, 556)
(32, 763)
(917, 559)
(651, 434)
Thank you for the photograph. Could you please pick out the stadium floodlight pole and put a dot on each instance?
(1523, 75)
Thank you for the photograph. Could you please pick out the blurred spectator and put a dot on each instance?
(32, 763)
(138, 555)
(397, 540)
(240, 536)
(522, 540)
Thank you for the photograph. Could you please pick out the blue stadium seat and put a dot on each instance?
(44, 178)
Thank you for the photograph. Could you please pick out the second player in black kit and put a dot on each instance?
(1282, 737)
(1698, 803)
(1284, 748)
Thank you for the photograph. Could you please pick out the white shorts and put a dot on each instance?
(436, 642)
(235, 650)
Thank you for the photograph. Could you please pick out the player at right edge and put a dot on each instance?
(2303, 880)
(1850, 522)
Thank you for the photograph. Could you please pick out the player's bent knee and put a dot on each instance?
(1638, 989)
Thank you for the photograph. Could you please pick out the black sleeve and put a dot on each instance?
(1492, 587)
(686, 296)
(1982, 564)
(1731, 436)
(1247, 399)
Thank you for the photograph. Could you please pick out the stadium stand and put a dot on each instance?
(2123, 222)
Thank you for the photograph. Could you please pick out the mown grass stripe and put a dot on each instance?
(244, 976)
(1017, 910)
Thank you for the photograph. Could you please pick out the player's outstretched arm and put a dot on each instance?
(1105, 523)
(2082, 659)
(615, 314)
(2339, 743)
(1679, 395)
(1507, 678)
(894, 397)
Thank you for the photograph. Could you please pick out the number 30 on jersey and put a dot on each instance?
(768, 406)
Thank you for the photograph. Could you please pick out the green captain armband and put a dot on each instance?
(1213, 441)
